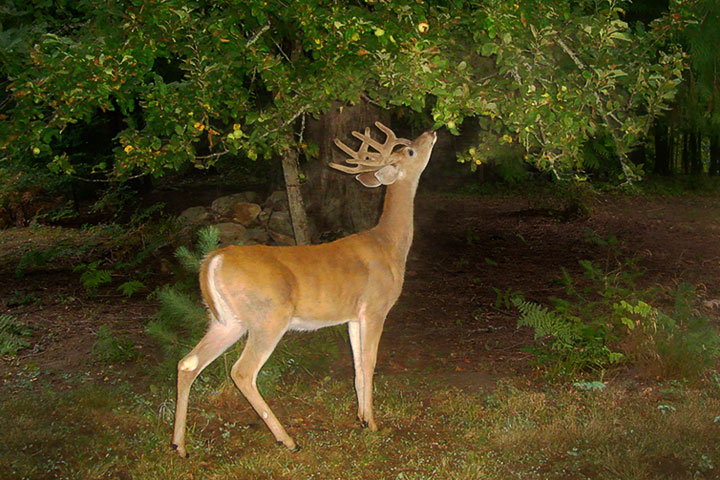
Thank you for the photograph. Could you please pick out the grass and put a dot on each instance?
(428, 430)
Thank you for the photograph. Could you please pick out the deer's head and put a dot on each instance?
(398, 159)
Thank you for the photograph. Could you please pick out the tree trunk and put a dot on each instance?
(673, 150)
(638, 156)
(662, 149)
(696, 167)
(295, 199)
(714, 155)
(337, 203)
(685, 153)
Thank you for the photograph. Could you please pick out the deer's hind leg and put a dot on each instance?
(218, 338)
(262, 340)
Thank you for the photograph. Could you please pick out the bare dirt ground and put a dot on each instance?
(465, 248)
(446, 322)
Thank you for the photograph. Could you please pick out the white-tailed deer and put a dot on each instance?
(266, 291)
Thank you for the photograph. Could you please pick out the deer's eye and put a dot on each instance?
(411, 152)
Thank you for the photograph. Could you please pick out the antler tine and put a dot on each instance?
(359, 158)
(391, 135)
(369, 161)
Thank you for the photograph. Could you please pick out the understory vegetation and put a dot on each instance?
(611, 321)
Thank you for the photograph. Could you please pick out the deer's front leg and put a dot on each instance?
(364, 339)
(355, 343)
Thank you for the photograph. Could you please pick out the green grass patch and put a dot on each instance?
(428, 430)
(13, 335)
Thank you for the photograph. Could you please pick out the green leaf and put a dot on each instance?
(488, 49)
(131, 287)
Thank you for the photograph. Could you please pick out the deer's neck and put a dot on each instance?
(396, 222)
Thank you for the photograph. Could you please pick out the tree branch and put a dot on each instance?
(255, 37)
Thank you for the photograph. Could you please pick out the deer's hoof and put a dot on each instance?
(293, 447)
(180, 450)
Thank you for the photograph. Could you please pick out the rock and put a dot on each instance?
(280, 223)
(194, 216)
(257, 235)
(225, 206)
(264, 216)
(231, 234)
(278, 201)
(245, 213)
(251, 197)
(280, 239)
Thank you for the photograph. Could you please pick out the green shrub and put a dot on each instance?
(609, 320)
(33, 260)
(681, 344)
(191, 260)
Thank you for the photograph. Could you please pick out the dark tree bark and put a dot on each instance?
(696, 167)
(714, 155)
(662, 149)
(673, 150)
(336, 202)
(685, 158)
(638, 155)
(295, 199)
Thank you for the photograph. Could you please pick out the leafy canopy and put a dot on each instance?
(189, 81)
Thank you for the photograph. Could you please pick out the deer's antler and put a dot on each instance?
(364, 160)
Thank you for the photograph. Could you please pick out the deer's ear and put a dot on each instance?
(388, 174)
(384, 176)
(368, 179)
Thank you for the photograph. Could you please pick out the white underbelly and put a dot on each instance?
(305, 324)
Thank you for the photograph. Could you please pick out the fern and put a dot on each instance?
(570, 344)
(93, 277)
(545, 322)
(131, 287)
(583, 330)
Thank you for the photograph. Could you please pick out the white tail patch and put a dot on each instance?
(189, 364)
(221, 305)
